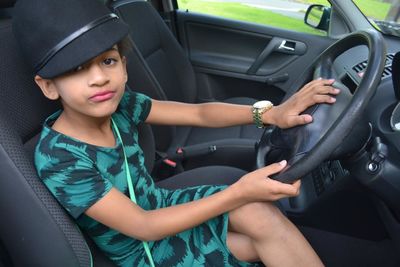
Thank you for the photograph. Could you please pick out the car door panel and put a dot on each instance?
(266, 60)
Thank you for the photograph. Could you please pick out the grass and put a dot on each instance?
(371, 8)
(246, 13)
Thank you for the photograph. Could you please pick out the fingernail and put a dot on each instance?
(308, 119)
(333, 99)
(336, 90)
(319, 78)
(283, 163)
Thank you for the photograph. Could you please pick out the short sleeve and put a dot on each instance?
(135, 105)
(71, 177)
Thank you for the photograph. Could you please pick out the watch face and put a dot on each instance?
(262, 104)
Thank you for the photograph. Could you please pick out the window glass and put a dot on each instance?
(287, 14)
(383, 14)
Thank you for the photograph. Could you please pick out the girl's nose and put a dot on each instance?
(97, 76)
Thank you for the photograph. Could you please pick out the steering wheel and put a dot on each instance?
(337, 130)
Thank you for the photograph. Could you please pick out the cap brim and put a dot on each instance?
(87, 46)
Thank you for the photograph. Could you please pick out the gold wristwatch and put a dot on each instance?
(259, 108)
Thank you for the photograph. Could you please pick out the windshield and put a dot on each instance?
(383, 14)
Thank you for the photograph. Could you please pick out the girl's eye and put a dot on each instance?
(109, 61)
(79, 68)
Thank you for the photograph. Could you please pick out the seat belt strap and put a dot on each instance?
(183, 153)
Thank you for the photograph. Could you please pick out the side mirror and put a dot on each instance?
(318, 16)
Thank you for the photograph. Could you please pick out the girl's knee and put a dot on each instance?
(257, 218)
(263, 210)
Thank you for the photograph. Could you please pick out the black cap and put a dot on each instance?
(57, 36)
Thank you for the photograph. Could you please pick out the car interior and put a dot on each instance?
(348, 208)
(165, 73)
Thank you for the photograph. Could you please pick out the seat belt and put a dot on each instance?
(183, 153)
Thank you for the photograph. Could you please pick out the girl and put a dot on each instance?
(88, 153)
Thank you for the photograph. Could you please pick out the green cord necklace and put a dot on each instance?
(131, 191)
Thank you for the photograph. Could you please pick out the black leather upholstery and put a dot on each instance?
(160, 68)
(7, 3)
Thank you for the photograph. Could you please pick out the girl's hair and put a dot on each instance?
(125, 46)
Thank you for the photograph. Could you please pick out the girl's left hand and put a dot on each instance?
(287, 114)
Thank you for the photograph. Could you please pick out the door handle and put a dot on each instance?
(263, 55)
(279, 45)
(287, 46)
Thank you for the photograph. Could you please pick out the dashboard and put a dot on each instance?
(350, 67)
(378, 164)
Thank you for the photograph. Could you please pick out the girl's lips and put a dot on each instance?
(103, 96)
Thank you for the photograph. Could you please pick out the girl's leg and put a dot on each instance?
(261, 231)
(241, 246)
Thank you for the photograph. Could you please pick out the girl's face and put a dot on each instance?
(94, 89)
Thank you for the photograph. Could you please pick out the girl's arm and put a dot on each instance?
(213, 114)
(120, 213)
(285, 115)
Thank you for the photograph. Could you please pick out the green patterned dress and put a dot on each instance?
(79, 174)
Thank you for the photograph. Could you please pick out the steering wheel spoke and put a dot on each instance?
(323, 69)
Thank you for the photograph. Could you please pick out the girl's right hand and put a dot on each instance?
(257, 186)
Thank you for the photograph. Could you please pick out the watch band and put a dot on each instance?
(259, 108)
(257, 118)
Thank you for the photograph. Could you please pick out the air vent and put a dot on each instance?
(360, 67)
(387, 71)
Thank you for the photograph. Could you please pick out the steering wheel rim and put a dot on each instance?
(343, 125)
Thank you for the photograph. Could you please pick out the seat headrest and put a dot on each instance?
(7, 3)
(21, 100)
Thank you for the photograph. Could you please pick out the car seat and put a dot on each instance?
(29, 213)
(159, 68)
(34, 229)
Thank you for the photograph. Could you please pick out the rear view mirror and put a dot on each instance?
(318, 16)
